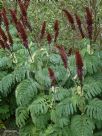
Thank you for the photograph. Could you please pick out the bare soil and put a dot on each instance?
(8, 132)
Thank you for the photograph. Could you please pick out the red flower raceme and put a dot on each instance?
(4, 40)
(52, 76)
(89, 21)
(5, 19)
(89, 16)
(43, 30)
(14, 16)
(0, 18)
(56, 36)
(56, 30)
(49, 38)
(56, 25)
(70, 51)
(22, 33)
(10, 39)
(79, 65)
(26, 23)
(21, 30)
(26, 4)
(63, 55)
(2, 44)
(22, 8)
(24, 18)
(5, 45)
(79, 25)
(3, 35)
(69, 18)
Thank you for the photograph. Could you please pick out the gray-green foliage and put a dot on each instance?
(65, 109)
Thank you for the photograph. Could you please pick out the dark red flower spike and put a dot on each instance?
(14, 16)
(0, 18)
(52, 76)
(24, 18)
(49, 38)
(26, 4)
(10, 39)
(43, 30)
(4, 40)
(56, 25)
(56, 30)
(5, 19)
(79, 65)
(89, 21)
(5, 45)
(22, 8)
(22, 33)
(20, 28)
(69, 18)
(79, 25)
(70, 51)
(2, 44)
(63, 55)
(3, 35)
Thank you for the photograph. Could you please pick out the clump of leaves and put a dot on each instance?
(56, 91)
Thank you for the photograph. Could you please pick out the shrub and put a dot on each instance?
(58, 93)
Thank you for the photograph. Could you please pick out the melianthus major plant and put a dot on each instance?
(58, 93)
